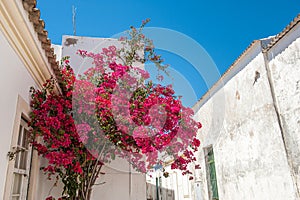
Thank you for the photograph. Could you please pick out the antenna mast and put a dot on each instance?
(74, 19)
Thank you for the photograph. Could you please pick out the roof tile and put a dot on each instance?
(34, 15)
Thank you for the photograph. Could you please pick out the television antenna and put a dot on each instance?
(74, 9)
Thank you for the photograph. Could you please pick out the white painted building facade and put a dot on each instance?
(251, 128)
(119, 175)
(23, 64)
(251, 122)
(27, 59)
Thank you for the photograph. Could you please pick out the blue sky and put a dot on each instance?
(223, 28)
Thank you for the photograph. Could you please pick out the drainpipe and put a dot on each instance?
(157, 189)
(276, 108)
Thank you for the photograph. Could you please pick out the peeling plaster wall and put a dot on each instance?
(241, 124)
(284, 65)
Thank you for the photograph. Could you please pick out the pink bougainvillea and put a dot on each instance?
(110, 110)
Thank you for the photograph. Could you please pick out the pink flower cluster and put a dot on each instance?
(140, 118)
(110, 104)
(51, 119)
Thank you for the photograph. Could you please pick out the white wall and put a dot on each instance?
(284, 66)
(249, 152)
(14, 81)
(119, 183)
(174, 187)
(57, 51)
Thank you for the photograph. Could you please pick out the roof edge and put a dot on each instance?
(285, 31)
(273, 40)
(211, 91)
(42, 35)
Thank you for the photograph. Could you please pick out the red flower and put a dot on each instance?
(77, 168)
(196, 142)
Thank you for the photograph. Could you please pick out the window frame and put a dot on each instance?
(22, 162)
(213, 195)
(22, 111)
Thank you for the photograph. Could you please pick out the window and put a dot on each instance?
(24, 168)
(22, 161)
(211, 174)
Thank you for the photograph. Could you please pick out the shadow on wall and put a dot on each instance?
(159, 193)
